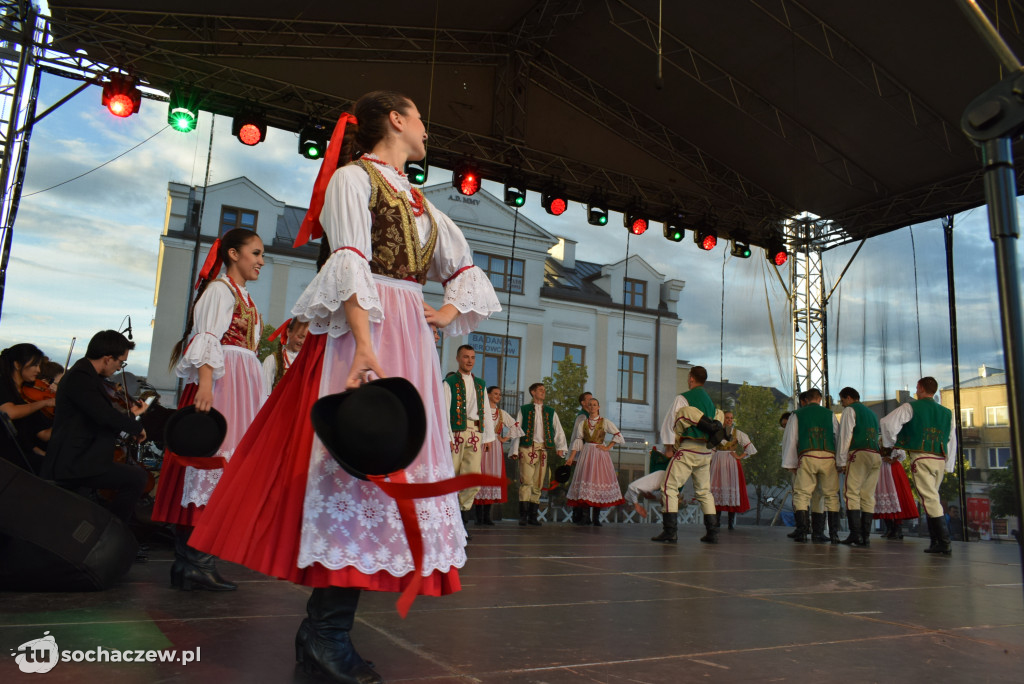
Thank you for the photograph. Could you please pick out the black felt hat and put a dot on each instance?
(195, 434)
(562, 474)
(375, 429)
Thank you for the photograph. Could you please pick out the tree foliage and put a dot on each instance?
(757, 413)
(563, 392)
(267, 347)
(1000, 492)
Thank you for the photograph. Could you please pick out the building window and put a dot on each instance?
(233, 217)
(970, 456)
(573, 352)
(967, 417)
(998, 457)
(635, 292)
(996, 416)
(632, 378)
(506, 274)
(497, 363)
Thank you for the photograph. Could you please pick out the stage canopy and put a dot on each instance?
(765, 108)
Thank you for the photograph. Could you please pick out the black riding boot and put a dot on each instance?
(669, 528)
(595, 516)
(478, 514)
(853, 521)
(193, 569)
(323, 643)
(803, 526)
(897, 529)
(465, 523)
(532, 517)
(732, 520)
(487, 514)
(940, 536)
(818, 528)
(711, 524)
(578, 515)
(524, 512)
(865, 527)
(833, 527)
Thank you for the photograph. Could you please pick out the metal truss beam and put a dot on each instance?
(681, 56)
(807, 290)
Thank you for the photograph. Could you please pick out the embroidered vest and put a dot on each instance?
(730, 442)
(549, 424)
(697, 398)
(393, 233)
(598, 434)
(928, 430)
(865, 431)
(245, 327)
(458, 415)
(814, 432)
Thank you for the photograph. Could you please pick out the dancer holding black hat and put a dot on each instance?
(285, 507)
(220, 366)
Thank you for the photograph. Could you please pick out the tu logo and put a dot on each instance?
(38, 655)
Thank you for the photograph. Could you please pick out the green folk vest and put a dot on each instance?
(928, 430)
(458, 415)
(814, 432)
(699, 399)
(529, 426)
(865, 432)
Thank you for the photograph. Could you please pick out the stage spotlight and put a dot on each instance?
(182, 114)
(466, 178)
(515, 194)
(416, 171)
(554, 201)
(674, 230)
(313, 141)
(250, 128)
(776, 251)
(120, 96)
(634, 222)
(740, 249)
(705, 238)
(597, 213)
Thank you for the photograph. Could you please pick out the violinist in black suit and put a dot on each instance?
(86, 426)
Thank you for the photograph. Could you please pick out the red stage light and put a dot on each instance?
(470, 184)
(120, 96)
(780, 258)
(558, 206)
(709, 242)
(249, 134)
(776, 251)
(120, 105)
(639, 226)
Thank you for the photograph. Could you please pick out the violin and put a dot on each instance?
(39, 391)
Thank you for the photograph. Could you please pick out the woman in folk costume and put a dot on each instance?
(291, 335)
(221, 370)
(894, 499)
(728, 484)
(285, 507)
(492, 461)
(594, 482)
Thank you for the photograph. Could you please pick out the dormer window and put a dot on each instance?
(635, 292)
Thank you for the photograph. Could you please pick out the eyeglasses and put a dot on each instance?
(120, 364)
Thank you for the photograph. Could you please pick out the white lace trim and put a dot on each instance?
(345, 274)
(203, 350)
(199, 484)
(473, 295)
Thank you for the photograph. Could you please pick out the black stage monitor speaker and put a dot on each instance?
(54, 540)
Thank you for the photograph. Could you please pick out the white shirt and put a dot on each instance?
(892, 424)
(790, 458)
(509, 426)
(609, 429)
(668, 423)
(270, 368)
(743, 440)
(538, 429)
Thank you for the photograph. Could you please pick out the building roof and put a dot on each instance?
(994, 378)
(578, 285)
(730, 389)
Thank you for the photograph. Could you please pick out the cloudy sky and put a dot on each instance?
(85, 255)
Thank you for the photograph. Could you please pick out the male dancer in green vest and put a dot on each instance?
(541, 431)
(925, 430)
(809, 451)
(858, 455)
(690, 426)
(471, 423)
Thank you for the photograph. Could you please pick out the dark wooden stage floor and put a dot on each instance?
(562, 604)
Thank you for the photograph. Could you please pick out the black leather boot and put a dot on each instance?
(818, 528)
(897, 530)
(865, 527)
(595, 516)
(487, 514)
(711, 524)
(465, 523)
(532, 518)
(524, 512)
(323, 643)
(669, 528)
(732, 520)
(803, 526)
(853, 521)
(833, 527)
(578, 515)
(193, 569)
(940, 534)
(478, 513)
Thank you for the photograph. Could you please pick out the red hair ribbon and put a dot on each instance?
(311, 228)
(211, 267)
(281, 332)
(395, 486)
